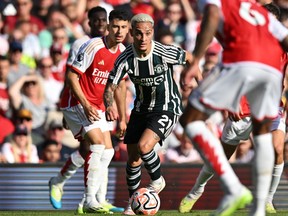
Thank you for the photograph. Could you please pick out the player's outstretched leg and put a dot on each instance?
(207, 144)
(56, 184)
(196, 192)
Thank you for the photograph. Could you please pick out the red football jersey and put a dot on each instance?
(93, 63)
(258, 38)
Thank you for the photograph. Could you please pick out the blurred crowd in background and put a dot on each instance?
(35, 38)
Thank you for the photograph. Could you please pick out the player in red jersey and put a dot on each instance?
(239, 127)
(98, 23)
(246, 31)
(84, 110)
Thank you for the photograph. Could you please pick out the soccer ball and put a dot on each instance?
(145, 201)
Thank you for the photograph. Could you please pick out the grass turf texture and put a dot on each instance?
(160, 213)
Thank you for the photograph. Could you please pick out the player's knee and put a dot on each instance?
(84, 148)
(279, 149)
(144, 148)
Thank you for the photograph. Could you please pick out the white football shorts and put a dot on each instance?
(235, 131)
(222, 90)
(80, 125)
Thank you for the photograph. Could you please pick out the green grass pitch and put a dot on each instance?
(160, 213)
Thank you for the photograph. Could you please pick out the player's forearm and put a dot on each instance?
(73, 82)
(120, 98)
(108, 96)
(209, 27)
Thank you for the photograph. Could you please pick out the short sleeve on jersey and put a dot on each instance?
(278, 30)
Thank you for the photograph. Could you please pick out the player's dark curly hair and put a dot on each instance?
(119, 14)
(94, 10)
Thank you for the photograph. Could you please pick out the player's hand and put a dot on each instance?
(235, 116)
(122, 129)
(111, 113)
(91, 113)
(187, 76)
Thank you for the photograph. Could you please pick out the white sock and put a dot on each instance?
(92, 171)
(70, 167)
(276, 176)
(204, 176)
(104, 163)
(262, 171)
(212, 153)
(77, 159)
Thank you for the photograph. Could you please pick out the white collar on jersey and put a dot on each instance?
(147, 56)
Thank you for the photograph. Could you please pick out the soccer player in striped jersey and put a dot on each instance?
(157, 105)
(83, 109)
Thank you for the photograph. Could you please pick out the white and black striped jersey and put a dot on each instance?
(152, 76)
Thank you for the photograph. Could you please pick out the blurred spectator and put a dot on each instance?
(4, 99)
(4, 45)
(56, 132)
(23, 8)
(42, 8)
(149, 7)
(25, 117)
(213, 53)
(60, 37)
(45, 36)
(7, 8)
(192, 29)
(286, 150)
(49, 82)
(75, 31)
(50, 152)
(20, 149)
(175, 20)
(59, 58)
(184, 153)
(81, 6)
(166, 36)
(206, 68)
(30, 42)
(17, 68)
(56, 31)
(27, 92)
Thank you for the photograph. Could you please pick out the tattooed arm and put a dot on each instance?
(111, 112)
